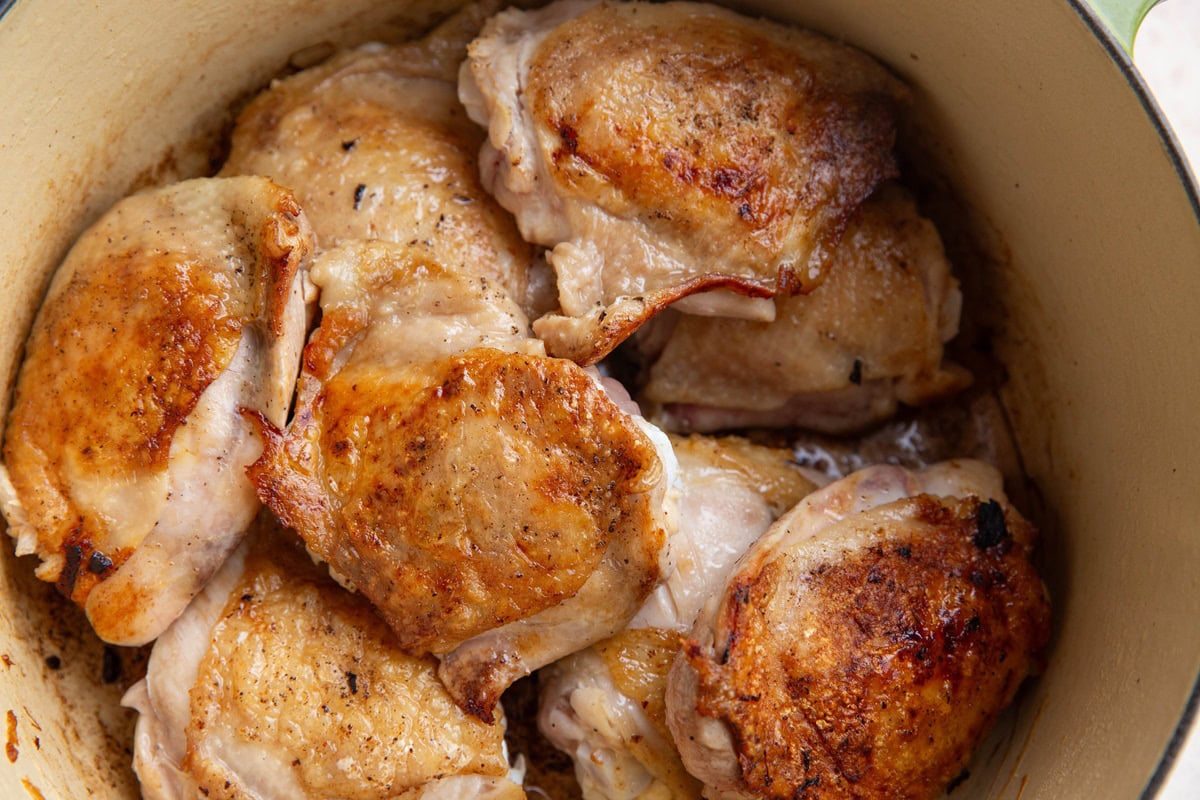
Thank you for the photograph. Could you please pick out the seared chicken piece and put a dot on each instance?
(667, 149)
(835, 360)
(495, 505)
(865, 643)
(376, 146)
(605, 705)
(278, 683)
(125, 448)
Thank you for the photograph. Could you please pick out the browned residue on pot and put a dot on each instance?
(33, 791)
(10, 747)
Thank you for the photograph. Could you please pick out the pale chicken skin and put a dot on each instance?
(125, 450)
(495, 505)
(834, 361)
(376, 146)
(278, 683)
(865, 643)
(605, 706)
(662, 150)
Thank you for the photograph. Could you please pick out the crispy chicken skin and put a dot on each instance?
(835, 360)
(125, 449)
(278, 683)
(495, 505)
(605, 705)
(865, 643)
(667, 149)
(376, 146)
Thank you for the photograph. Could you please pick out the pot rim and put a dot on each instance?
(1174, 151)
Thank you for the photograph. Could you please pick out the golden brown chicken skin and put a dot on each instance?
(835, 360)
(495, 505)
(863, 651)
(277, 682)
(125, 448)
(668, 149)
(376, 146)
(468, 493)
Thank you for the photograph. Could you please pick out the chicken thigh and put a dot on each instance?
(125, 451)
(376, 146)
(277, 683)
(835, 360)
(496, 506)
(668, 149)
(605, 705)
(865, 643)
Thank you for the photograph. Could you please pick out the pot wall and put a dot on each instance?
(1028, 114)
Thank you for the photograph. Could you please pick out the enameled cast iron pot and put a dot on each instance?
(1035, 115)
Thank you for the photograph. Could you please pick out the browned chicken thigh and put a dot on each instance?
(668, 149)
(865, 643)
(605, 705)
(376, 146)
(495, 505)
(277, 683)
(835, 360)
(125, 450)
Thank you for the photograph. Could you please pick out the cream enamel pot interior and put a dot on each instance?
(1031, 111)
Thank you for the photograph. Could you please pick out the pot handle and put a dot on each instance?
(1122, 18)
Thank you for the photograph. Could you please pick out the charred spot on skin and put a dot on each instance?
(904, 551)
(990, 527)
(352, 682)
(359, 191)
(479, 708)
(570, 138)
(70, 571)
(99, 563)
(856, 372)
(54, 662)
